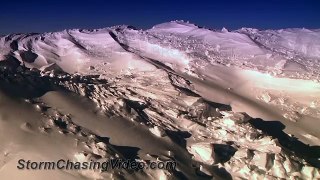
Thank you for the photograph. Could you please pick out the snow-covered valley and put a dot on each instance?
(243, 104)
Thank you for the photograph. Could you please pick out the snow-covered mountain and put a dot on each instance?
(277, 51)
(223, 104)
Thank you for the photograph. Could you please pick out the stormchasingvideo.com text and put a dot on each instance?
(112, 164)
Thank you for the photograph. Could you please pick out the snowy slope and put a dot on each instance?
(239, 104)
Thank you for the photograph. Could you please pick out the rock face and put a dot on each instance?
(9, 62)
(28, 56)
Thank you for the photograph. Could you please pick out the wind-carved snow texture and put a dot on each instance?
(218, 136)
(168, 93)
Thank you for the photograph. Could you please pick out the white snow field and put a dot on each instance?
(241, 104)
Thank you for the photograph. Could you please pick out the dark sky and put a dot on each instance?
(45, 15)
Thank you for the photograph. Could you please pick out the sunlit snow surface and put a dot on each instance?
(238, 104)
